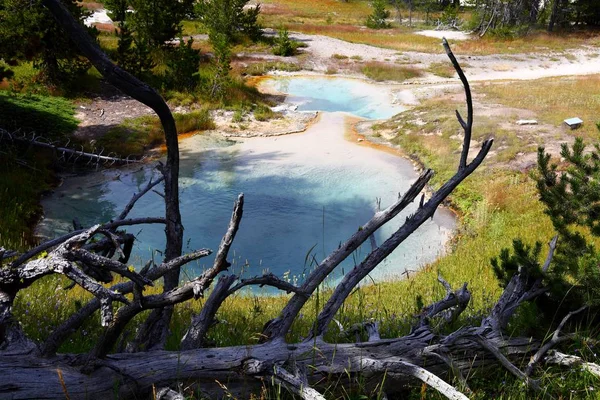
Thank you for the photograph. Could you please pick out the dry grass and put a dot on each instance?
(571, 97)
(401, 39)
(534, 43)
(323, 11)
(384, 72)
(102, 27)
(443, 69)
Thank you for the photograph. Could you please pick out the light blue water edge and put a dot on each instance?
(334, 94)
(301, 201)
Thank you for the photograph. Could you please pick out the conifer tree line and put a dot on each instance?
(509, 17)
(500, 17)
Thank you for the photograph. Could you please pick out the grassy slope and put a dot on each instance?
(26, 177)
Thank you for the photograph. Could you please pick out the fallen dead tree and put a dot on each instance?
(36, 370)
(65, 153)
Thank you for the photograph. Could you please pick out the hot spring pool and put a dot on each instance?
(304, 195)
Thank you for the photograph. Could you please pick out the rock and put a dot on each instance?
(527, 122)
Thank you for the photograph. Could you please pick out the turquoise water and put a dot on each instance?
(304, 195)
(354, 96)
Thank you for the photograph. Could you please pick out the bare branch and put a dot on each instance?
(295, 384)
(91, 157)
(550, 255)
(556, 357)
(278, 327)
(402, 367)
(221, 264)
(267, 280)
(55, 242)
(195, 336)
(532, 383)
(467, 126)
(151, 184)
(111, 265)
(76, 320)
(457, 300)
(554, 340)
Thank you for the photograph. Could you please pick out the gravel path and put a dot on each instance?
(581, 61)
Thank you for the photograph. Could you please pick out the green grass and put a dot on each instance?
(50, 117)
(23, 178)
(26, 173)
(261, 68)
(264, 113)
(135, 136)
(384, 72)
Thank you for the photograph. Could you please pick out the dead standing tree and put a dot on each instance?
(32, 370)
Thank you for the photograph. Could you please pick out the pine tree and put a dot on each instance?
(379, 16)
(572, 200)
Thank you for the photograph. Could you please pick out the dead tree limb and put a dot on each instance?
(423, 213)
(567, 360)
(145, 94)
(555, 339)
(79, 154)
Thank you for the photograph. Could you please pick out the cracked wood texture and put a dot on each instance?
(26, 377)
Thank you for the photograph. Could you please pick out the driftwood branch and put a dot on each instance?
(129, 206)
(424, 212)
(55, 242)
(468, 125)
(76, 320)
(455, 302)
(145, 94)
(567, 360)
(77, 154)
(555, 339)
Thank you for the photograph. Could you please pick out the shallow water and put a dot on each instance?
(304, 195)
(354, 96)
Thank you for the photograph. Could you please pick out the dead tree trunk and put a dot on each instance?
(31, 370)
(158, 322)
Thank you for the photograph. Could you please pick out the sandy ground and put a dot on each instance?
(478, 68)
(450, 35)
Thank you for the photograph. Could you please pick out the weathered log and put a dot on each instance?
(26, 377)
